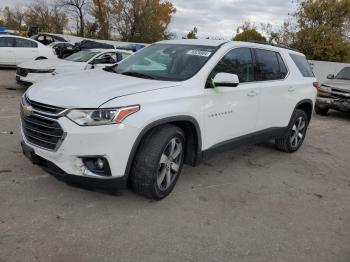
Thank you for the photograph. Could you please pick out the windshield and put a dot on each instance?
(344, 74)
(82, 56)
(168, 62)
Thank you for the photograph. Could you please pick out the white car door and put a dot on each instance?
(231, 112)
(25, 50)
(7, 55)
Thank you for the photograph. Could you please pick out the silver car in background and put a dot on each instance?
(334, 93)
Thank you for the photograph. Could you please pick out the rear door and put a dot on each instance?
(276, 92)
(25, 50)
(7, 55)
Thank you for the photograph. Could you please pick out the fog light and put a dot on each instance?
(100, 163)
(97, 166)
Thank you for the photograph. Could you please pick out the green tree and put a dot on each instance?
(141, 20)
(192, 34)
(320, 29)
(100, 10)
(248, 32)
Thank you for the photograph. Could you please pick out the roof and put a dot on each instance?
(109, 50)
(204, 42)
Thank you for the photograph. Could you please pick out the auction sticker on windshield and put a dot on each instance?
(199, 53)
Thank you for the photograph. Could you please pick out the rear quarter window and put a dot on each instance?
(303, 65)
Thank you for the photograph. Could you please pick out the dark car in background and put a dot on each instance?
(46, 39)
(85, 44)
(334, 93)
(60, 47)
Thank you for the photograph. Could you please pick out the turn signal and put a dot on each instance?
(125, 112)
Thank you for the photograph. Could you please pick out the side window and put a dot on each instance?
(237, 61)
(269, 65)
(6, 42)
(107, 58)
(303, 65)
(25, 43)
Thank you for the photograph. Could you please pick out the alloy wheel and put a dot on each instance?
(298, 132)
(170, 163)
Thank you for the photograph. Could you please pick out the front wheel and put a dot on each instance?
(158, 162)
(295, 134)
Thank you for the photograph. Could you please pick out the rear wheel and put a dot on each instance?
(158, 162)
(295, 134)
(321, 110)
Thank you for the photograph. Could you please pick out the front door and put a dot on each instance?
(231, 112)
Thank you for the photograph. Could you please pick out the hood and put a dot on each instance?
(339, 84)
(90, 89)
(51, 64)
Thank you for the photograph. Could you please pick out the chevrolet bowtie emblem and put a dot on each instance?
(27, 110)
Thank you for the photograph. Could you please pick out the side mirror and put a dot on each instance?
(331, 76)
(226, 79)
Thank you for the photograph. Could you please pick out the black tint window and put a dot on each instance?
(6, 42)
(303, 65)
(238, 61)
(25, 43)
(283, 68)
(269, 65)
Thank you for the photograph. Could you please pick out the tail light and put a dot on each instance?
(316, 85)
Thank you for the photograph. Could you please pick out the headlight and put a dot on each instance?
(102, 116)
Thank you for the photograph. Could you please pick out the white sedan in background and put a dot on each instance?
(15, 50)
(35, 71)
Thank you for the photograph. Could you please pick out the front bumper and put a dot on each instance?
(119, 183)
(333, 103)
(112, 142)
(32, 78)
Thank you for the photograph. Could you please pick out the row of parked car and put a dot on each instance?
(36, 61)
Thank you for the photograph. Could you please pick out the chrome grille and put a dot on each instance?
(40, 126)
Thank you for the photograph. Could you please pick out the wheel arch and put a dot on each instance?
(41, 58)
(307, 106)
(192, 132)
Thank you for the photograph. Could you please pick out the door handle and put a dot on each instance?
(252, 93)
(291, 89)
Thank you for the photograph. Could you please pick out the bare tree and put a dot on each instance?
(76, 7)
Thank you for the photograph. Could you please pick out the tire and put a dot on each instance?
(321, 110)
(295, 134)
(158, 162)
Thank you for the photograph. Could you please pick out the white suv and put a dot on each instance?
(173, 102)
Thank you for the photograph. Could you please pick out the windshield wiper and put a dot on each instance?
(137, 74)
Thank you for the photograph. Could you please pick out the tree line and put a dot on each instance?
(318, 28)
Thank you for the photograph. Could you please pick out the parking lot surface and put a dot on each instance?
(251, 204)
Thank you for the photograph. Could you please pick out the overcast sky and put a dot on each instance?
(215, 18)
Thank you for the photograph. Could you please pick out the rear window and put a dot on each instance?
(269, 65)
(6, 42)
(303, 65)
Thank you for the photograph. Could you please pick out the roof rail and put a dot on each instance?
(272, 44)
